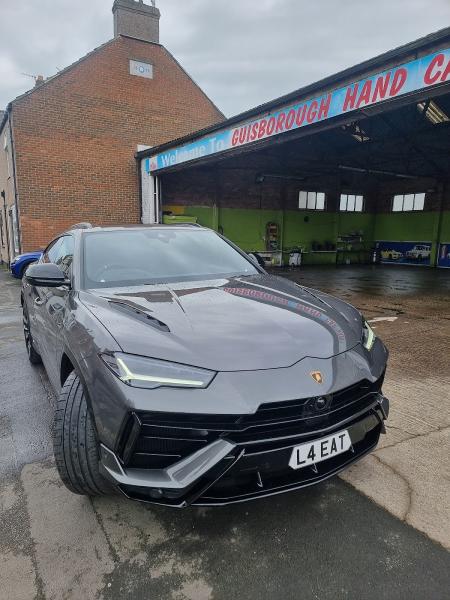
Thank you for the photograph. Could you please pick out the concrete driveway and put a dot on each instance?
(330, 541)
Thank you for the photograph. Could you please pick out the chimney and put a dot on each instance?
(136, 19)
(39, 80)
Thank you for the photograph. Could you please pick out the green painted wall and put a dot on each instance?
(357, 222)
(445, 227)
(405, 227)
(247, 227)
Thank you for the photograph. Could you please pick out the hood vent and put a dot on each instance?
(140, 315)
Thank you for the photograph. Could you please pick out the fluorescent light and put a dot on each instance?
(432, 112)
(357, 132)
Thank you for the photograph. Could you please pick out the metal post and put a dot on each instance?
(150, 193)
(438, 229)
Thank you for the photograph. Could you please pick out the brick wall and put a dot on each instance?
(76, 136)
(238, 188)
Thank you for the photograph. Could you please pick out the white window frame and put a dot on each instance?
(351, 203)
(408, 202)
(307, 200)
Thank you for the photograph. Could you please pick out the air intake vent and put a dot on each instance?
(140, 315)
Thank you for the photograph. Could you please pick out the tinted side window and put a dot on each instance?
(61, 253)
(65, 254)
(51, 253)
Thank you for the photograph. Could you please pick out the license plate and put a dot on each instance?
(318, 450)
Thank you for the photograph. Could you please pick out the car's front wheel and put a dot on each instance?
(75, 442)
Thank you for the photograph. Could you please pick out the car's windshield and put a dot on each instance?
(144, 256)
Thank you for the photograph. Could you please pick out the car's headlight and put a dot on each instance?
(368, 336)
(151, 373)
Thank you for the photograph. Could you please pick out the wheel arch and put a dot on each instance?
(69, 364)
(66, 368)
(22, 267)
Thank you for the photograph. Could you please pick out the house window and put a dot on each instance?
(311, 200)
(351, 203)
(407, 202)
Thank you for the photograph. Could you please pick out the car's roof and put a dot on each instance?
(178, 226)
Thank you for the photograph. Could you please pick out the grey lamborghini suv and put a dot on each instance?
(186, 374)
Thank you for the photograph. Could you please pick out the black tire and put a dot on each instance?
(75, 442)
(33, 355)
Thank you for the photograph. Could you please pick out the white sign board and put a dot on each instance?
(141, 69)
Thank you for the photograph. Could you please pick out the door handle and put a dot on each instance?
(38, 301)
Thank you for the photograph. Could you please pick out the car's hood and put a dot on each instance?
(27, 255)
(258, 322)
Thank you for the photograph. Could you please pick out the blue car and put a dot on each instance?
(21, 262)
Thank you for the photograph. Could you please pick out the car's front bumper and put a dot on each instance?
(237, 467)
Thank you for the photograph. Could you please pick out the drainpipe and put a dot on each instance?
(282, 224)
(3, 195)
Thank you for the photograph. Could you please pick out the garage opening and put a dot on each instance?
(369, 185)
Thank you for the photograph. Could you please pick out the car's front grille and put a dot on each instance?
(252, 478)
(155, 440)
(155, 451)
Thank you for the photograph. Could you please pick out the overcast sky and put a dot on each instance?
(242, 53)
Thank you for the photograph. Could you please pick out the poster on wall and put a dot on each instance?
(405, 253)
(444, 255)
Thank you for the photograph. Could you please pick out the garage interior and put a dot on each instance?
(370, 184)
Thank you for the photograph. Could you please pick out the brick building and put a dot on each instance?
(68, 145)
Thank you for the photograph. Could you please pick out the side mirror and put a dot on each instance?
(45, 275)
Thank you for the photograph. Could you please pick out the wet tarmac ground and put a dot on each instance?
(386, 540)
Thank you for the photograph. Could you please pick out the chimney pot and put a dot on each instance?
(135, 19)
